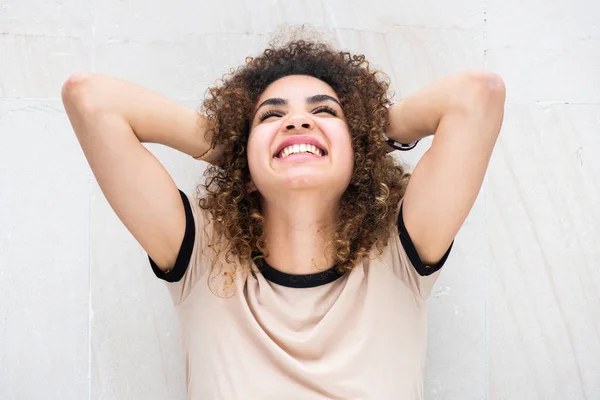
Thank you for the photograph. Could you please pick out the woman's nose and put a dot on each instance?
(297, 122)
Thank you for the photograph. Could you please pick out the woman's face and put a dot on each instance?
(299, 139)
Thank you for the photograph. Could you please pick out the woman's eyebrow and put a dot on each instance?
(318, 98)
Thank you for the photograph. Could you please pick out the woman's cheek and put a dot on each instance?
(254, 163)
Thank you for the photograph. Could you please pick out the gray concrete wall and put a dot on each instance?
(515, 314)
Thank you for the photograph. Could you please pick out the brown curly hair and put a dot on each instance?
(367, 207)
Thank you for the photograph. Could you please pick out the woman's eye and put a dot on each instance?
(273, 113)
(326, 109)
(270, 113)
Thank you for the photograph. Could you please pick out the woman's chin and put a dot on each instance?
(304, 183)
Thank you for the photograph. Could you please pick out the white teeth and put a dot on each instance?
(300, 148)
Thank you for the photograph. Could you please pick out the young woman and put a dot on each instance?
(303, 270)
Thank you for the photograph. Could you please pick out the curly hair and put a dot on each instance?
(367, 207)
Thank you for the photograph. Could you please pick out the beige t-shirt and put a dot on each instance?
(361, 335)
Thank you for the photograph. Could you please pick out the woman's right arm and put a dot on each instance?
(111, 119)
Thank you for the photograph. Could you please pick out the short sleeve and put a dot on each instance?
(408, 266)
(192, 261)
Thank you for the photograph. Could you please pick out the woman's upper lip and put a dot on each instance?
(299, 140)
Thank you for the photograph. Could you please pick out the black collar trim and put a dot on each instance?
(297, 281)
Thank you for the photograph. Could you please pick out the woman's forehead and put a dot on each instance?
(296, 87)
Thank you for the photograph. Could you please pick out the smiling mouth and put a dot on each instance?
(301, 149)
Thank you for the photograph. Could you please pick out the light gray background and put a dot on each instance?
(515, 314)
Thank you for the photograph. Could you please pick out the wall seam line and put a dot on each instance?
(486, 273)
(90, 194)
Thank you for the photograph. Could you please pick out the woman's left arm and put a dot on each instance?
(465, 111)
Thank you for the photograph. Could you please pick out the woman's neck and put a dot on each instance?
(297, 232)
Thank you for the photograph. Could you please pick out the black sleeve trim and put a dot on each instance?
(185, 251)
(411, 251)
